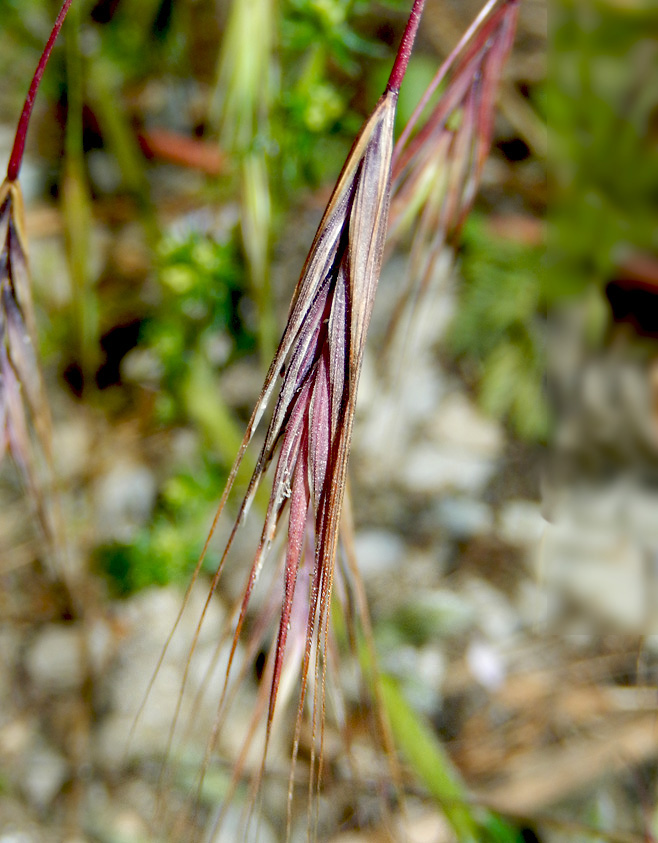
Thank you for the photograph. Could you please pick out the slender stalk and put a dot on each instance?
(76, 206)
(204, 404)
(241, 106)
(74, 96)
(18, 148)
(103, 91)
(406, 46)
(430, 761)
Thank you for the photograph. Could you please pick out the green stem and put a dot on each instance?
(117, 131)
(77, 206)
(204, 405)
(429, 761)
(240, 108)
(256, 228)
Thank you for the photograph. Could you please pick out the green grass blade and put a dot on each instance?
(429, 761)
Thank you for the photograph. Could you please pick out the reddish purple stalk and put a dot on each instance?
(406, 46)
(16, 157)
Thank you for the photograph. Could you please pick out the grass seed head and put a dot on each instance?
(315, 375)
(438, 159)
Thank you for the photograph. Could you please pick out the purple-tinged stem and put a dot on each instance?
(406, 46)
(16, 157)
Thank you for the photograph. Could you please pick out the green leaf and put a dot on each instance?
(429, 761)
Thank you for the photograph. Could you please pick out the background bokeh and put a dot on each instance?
(504, 475)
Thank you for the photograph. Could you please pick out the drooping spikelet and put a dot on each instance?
(25, 428)
(315, 375)
(21, 391)
(437, 170)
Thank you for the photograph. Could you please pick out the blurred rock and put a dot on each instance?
(464, 517)
(459, 423)
(148, 620)
(426, 828)
(598, 553)
(520, 523)
(123, 813)
(240, 385)
(16, 825)
(100, 644)
(142, 365)
(430, 470)
(641, 520)
(55, 659)
(71, 447)
(16, 735)
(232, 829)
(128, 826)
(486, 664)
(495, 615)
(10, 642)
(124, 497)
(603, 570)
(455, 449)
(605, 412)
(43, 774)
(49, 271)
(378, 552)
(538, 606)
(429, 673)
(388, 414)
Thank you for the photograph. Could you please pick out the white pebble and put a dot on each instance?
(43, 776)
(54, 661)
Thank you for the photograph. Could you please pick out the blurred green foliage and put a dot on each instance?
(497, 329)
(197, 326)
(167, 549)
(205, 316)
(200, 313)
(601, 104)
(322, 56)
(434, 768)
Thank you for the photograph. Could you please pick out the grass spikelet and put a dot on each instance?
(315, 375)
(25, 425)
(438, 159)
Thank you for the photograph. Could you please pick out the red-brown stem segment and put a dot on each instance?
(16, 157)
(406, 46)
